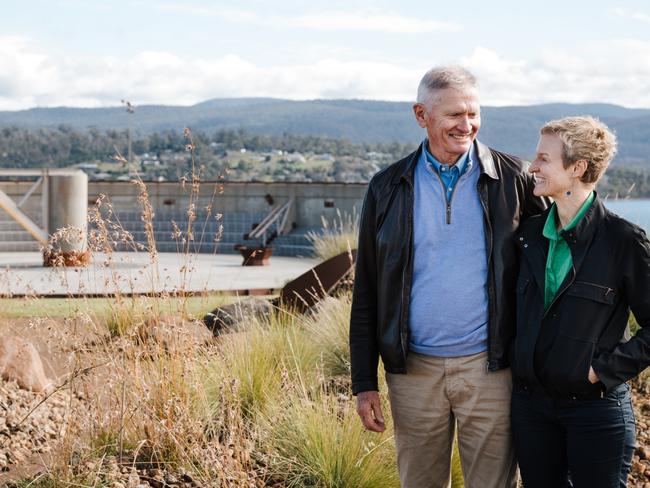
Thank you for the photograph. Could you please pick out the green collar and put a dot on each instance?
(550, 227)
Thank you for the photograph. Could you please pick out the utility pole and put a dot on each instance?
(130, 109)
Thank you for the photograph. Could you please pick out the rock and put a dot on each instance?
(221, 319)
(133, 481)
(643, 452)
(187, 478)
(170, 479)
(157, 481)
(20, 362)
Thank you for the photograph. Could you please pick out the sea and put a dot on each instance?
(634, 210)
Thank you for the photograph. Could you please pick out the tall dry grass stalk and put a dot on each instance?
(338, 235)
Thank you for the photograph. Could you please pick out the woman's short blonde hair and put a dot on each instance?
(585, 138)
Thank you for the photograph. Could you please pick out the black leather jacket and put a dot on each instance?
(384, 268)
(585, 324)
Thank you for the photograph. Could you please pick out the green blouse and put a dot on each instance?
(559, 260)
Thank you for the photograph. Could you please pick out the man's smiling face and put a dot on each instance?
(452, 120)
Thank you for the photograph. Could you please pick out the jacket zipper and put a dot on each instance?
(561, 292)
(451, 197)
(408, 264)
(607, 289)
(490, 277)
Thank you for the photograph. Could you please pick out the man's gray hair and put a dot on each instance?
(442, 77)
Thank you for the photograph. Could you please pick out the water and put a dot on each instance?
(637, 211)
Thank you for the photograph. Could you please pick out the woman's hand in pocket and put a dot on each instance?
(593, 377)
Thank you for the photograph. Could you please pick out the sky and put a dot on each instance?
(88, 53)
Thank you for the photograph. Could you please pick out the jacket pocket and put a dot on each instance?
(567, 367)
(592, 291)
(586, 310)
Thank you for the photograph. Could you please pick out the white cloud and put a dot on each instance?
(629, 14)
(613, 71)
(325, 21)
(28, 78)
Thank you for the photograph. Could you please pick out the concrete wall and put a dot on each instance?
(171, 197)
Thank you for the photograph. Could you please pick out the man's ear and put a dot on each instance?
(418, 111)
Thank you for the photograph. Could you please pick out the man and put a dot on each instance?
(434, 292)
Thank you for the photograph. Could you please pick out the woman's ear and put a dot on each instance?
(579, 167)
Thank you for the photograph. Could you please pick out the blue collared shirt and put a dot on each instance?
(449, 174)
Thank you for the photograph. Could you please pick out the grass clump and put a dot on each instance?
(338, 236)
(321, 443)
(328, 329)
(266, 354)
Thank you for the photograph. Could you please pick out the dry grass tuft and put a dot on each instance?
(338, 236)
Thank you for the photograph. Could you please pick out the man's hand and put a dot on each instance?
(369, 409)
(593, 377)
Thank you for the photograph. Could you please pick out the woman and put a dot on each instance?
(582, 270)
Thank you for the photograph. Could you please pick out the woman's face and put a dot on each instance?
(552, 179)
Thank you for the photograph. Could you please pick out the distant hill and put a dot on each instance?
(512, 129)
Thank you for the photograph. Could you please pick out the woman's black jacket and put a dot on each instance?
(586, 323)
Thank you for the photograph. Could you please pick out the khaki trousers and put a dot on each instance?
(429, 401)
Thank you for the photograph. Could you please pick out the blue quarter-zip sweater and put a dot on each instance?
(448, 311)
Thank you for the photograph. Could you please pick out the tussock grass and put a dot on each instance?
(262, 358)
(338, 235)
(328, 329)
(321, 443)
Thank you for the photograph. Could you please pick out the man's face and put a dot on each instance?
(452, 120)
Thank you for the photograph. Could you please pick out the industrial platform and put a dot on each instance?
(22, 274)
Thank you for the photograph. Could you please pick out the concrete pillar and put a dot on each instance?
(66, 219)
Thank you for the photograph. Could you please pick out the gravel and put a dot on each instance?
(29, 425)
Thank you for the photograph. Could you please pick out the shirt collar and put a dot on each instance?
(464, 163)
(550, 230)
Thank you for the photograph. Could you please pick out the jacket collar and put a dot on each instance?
(582, 234)
(407, 165)
(534, 246)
